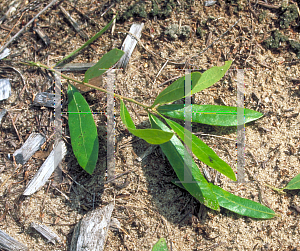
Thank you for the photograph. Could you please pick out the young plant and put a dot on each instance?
(168, 135)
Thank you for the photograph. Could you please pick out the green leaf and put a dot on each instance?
(199, 82)
(152, 136)
(107, 60)
(88, 42)
(210, 77)
(202, 151)
(188, 174)
(294, 183)
(237, 204)
(210, 114)
(83, 131)
(161, 245)
(240, 205)
(176, 90)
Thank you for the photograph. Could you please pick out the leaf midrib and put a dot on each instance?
(182, 162)
(80, 123)
(234, 202)
(196, 146)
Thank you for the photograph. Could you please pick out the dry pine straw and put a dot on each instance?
(150, 207)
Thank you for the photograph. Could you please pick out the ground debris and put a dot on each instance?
(90, 233)
(31, 145)
(130, 43)
(10, 244)
(48, 167)
(46, 232)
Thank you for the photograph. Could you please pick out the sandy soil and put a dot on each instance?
(147, 204)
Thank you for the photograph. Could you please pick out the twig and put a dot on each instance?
(70, 177)
(160, 71)
(29, 23)
(60, 192)
(74, 23)
(212, 135)
(216, 39)
(107, 10)
(168, 81)
(120, 175)
(261, 195)
(12, 28)
(15, 127)
(252, 11)
(86, 17)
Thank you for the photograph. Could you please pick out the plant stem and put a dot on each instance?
(279, 190)
(88, 85)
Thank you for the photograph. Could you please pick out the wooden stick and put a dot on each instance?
(29, 23)
(13, 122)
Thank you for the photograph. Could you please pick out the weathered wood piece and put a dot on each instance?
(10, 244)
(31, 145)
(42, 35)
(74, 23)
(130, 43)
(91, 232)
(45, 99)
(48, 167)
(46, 232)
(5, 89)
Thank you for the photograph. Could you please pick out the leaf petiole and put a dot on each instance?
(278, 190)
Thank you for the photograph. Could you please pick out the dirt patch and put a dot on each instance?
(147, 204)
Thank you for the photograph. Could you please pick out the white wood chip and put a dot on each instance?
(10, 244)
(5, 53)
(130, 43)
(5, 89)
(31, 145)
(48, 167)
(91, 232)
(46, 232)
